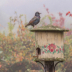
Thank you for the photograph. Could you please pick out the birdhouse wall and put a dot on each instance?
(51, 44)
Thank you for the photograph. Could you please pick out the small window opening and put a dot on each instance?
(38, 50)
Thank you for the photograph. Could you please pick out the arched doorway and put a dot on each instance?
(38, 51)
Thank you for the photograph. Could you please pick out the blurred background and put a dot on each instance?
(17, 42)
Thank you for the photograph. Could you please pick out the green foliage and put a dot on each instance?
(46, 16)
(17, 47)
(66, 51)
(50, 19)
(10, 27)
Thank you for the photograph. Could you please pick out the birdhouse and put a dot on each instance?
(49, 43)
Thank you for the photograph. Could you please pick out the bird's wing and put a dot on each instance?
(33, 19)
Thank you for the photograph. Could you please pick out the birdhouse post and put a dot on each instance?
(49, 46)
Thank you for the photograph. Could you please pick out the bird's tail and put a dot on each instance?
(26, 25)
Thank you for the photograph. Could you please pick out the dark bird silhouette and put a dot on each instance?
(35, 20)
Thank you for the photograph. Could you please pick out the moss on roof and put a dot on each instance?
(49, 59)
(48, 28)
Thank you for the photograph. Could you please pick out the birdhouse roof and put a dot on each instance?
(49, 28)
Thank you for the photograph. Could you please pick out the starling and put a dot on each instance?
(35, 20)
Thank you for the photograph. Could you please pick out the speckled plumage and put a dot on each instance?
(35, 20)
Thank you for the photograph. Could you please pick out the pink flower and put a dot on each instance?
(56, 20)
(52, 14)
(70, 14)
(43, 52)
(46, 9)
(63, 49)
(52, 47)
(60, 49)
(60, 14)
(67, 13)
(53, 18)
(45, 46)
(56, 49)
(48, 47)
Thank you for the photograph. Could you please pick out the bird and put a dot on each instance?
(35, 20)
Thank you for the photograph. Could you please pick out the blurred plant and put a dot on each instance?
(17, 47)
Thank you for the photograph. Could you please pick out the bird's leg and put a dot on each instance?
(33, 26)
